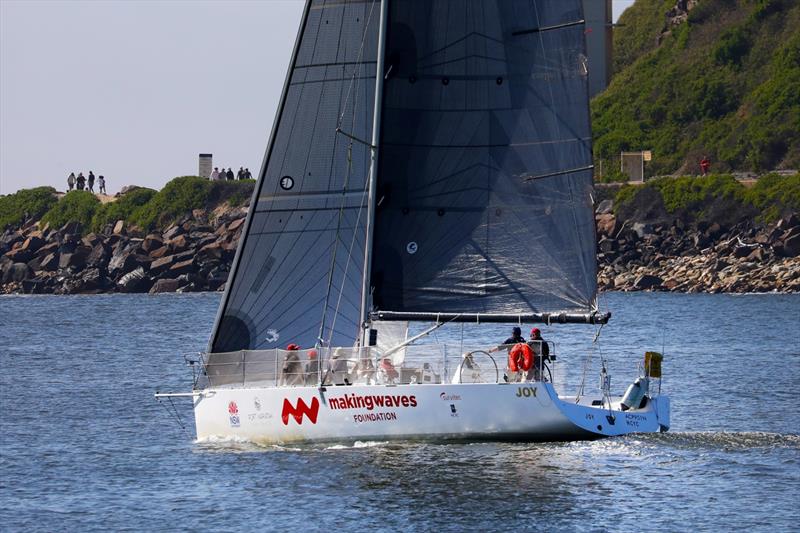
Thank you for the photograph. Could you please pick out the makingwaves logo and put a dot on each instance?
(302, 409)
(233, 412)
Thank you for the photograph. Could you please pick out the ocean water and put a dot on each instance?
(85, 447)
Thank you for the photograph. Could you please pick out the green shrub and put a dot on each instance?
(689, 192)
(178, 198)
(775, 195)
(75, 206)
(25, 204)
(732, 47)
(122, 208)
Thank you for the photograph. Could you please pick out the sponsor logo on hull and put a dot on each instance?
(233, 415)
(301, 410)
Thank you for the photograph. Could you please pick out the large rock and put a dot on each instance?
(49, 262)
(71, 228)
(151, 242)
(75, 260)
(98, 257)
(47, 249)
(119, 227)
(122, 261)
(605, 207)
(236, 224)
(606, 224)
(172, 232)
(210, 252)
(17, 272)
(90, 280)
(165, 285)
(134, 281)
(20, 255)
(162, 264)
(158, 253)
(642, 229)
(184, 267)
(791, 246)
(647, 281)
(33, 243)
(178, 244)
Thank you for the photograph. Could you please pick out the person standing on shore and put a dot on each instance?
(247, 174)
(81, 181)
(705, 164)
(101, 184)
(71, 180)
(229, 174)
(215, 174)
(240, 174)
(91, 181)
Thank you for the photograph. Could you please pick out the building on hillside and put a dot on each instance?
(205, 166)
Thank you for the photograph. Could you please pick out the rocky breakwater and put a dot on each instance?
(676, 257)
(191, 255)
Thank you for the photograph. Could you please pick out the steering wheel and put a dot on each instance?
(476, 367)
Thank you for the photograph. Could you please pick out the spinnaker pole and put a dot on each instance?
(373, 178)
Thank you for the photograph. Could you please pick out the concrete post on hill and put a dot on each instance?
(205, 163)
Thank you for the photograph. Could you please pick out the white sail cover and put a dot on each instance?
(301, 256)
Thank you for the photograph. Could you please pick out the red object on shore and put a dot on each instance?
(705, 164)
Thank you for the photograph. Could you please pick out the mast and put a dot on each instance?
(373, 170)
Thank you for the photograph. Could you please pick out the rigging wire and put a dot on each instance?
(354, 84)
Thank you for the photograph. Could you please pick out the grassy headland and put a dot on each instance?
(722, 80)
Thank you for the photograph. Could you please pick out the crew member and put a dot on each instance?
(541, 352)
(515, 338)
(312, 368)
(292, 369)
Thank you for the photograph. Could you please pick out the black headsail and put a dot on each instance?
(483, 205)
(297, 274)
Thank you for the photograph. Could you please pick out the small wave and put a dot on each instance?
(726, 440)
(358, 444)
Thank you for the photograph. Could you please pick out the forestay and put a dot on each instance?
(484, 184)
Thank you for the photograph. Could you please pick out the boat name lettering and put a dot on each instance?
(526, 392)
(370, 402)
(374, 417)
(635, 420)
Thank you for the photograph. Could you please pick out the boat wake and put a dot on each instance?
(722, 440)
(224, 443)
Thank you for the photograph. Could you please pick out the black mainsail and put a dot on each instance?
(484, 189)
(481, 205)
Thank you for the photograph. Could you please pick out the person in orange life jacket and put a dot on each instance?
(292, 370)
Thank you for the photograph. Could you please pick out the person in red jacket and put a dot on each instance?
(705, 164)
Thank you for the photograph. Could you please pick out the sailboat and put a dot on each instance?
(430, 164)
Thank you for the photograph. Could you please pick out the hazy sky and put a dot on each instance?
(135, 89)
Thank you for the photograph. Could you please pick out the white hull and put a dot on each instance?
(513, 411)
